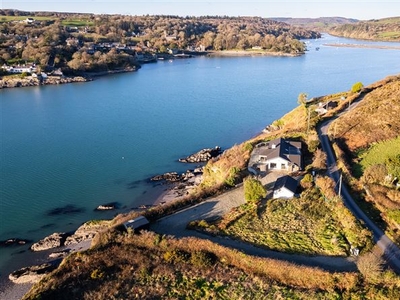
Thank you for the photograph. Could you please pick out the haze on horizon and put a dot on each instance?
(357, 9)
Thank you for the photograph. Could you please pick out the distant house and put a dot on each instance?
(137, 223)
(285, 187)
(324, 107)
(29, 20)
(278, 154)
(20, 69)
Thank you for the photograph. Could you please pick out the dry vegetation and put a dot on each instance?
(149, 266)
(368, 149)
(375, 119)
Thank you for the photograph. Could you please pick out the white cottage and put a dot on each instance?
(285, 187)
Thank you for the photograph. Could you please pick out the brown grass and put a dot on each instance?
(149, 266)
(375, 119)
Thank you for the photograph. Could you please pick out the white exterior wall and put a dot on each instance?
(278, 162)
(283, 193)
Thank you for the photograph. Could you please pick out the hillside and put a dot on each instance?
(368, 146)
(322, 24)
(387, 29)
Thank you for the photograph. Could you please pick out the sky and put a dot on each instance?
(357, 9)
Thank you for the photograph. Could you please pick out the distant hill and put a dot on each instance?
(319, 24)
(387, 29)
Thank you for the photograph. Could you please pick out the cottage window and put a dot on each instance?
(272, 165)
(283, 166)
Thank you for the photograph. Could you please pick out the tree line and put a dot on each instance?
(47, 40)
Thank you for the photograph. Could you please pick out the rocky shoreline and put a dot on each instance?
(29, 81)
(59, 244)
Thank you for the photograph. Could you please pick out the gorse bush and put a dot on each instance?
(253, 190)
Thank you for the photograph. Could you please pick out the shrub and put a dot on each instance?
(307, 181)
(374, 174)
(313, 145)
(319, 160)
(326, 185)
(370, 266)
(254, 190)
(357, 87)
(203, 258)
(233, 175)
(97, 274)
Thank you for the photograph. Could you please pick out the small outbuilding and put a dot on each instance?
(137, 224)
(285, 187)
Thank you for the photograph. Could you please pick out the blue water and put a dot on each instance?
(92, 143)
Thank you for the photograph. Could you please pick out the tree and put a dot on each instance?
(357, 87)
(302, 99)
(319, 160)
(253, 190)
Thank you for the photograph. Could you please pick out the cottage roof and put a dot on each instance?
(287, 182)
(288, 150)
(136, 223)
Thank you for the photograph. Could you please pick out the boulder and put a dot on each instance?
(31, 274)
(87, 231)
(59, 254)
(203, 155)
(52, 241)
(169, 176)
(14, 242)
(108, 206)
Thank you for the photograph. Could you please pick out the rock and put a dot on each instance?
(203, 155)
(31, 274)
(52, 241)
(14, 242)
(87, 231)
(169, 176)
(59, 254)
(108, 206)
(68, 209)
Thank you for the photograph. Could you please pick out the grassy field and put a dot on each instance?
(311, 224)
(77, 23)
(378, 153)
(67, 22)
(4, 19)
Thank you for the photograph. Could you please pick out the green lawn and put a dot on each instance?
(4, 19)
(77, 23)
(379, 152)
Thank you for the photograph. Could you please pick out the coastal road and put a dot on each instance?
(389, 249)
(175, 225)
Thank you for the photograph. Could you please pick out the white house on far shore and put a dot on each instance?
(20, 69)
